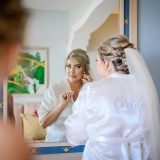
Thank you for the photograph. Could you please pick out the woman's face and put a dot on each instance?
(101, 67)
(74, 70)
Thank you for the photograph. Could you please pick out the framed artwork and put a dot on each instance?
(29, 77)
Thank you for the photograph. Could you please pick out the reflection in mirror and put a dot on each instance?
(58, 100)
(54, 29)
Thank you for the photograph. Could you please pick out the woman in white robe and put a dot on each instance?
(117, 116)
(57, 102)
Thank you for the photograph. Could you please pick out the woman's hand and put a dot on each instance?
(52, 116)
(66, 97)
(86, 78)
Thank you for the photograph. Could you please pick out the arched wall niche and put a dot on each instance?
(94, 17)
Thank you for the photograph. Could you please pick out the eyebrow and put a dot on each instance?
(74, 65)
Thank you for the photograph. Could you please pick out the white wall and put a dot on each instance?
(107, 29)
(76, 13)
(48, 29)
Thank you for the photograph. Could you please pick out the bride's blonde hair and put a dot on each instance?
(81, 56)
(113, 50)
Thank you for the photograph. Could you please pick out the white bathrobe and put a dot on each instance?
(51, 99)
(110, 116)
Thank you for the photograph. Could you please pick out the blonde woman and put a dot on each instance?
(117, 115)
(59, 97)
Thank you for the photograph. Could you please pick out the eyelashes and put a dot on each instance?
(76, 66)
(68, 66)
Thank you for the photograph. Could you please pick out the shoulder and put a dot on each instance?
(102, 82)
(57, 87)
(92, 84)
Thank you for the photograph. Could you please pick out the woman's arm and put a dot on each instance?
(52, 116)
(76, 123)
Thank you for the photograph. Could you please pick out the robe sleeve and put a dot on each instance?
(48, 103)
(76, 123)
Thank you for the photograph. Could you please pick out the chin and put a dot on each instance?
(73, 80)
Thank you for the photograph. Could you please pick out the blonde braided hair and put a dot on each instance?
(113, 50)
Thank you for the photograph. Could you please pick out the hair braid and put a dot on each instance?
(113, 50)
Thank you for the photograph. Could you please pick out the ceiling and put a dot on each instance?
(64, 5)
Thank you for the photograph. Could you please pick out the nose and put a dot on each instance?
(72, 70)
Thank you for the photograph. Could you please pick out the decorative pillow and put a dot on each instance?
(31, 127)
(35, 113)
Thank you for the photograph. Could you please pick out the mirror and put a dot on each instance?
(49, 29)
(85, 26)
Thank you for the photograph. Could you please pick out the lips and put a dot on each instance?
(72, 76)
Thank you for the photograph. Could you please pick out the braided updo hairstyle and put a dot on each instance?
(82, 57)
(113, 50)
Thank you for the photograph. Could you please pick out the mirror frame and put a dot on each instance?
(128, 27)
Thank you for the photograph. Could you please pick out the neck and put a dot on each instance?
(75, 85)
(111, 69)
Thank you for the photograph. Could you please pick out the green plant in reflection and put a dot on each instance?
(28, 75)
